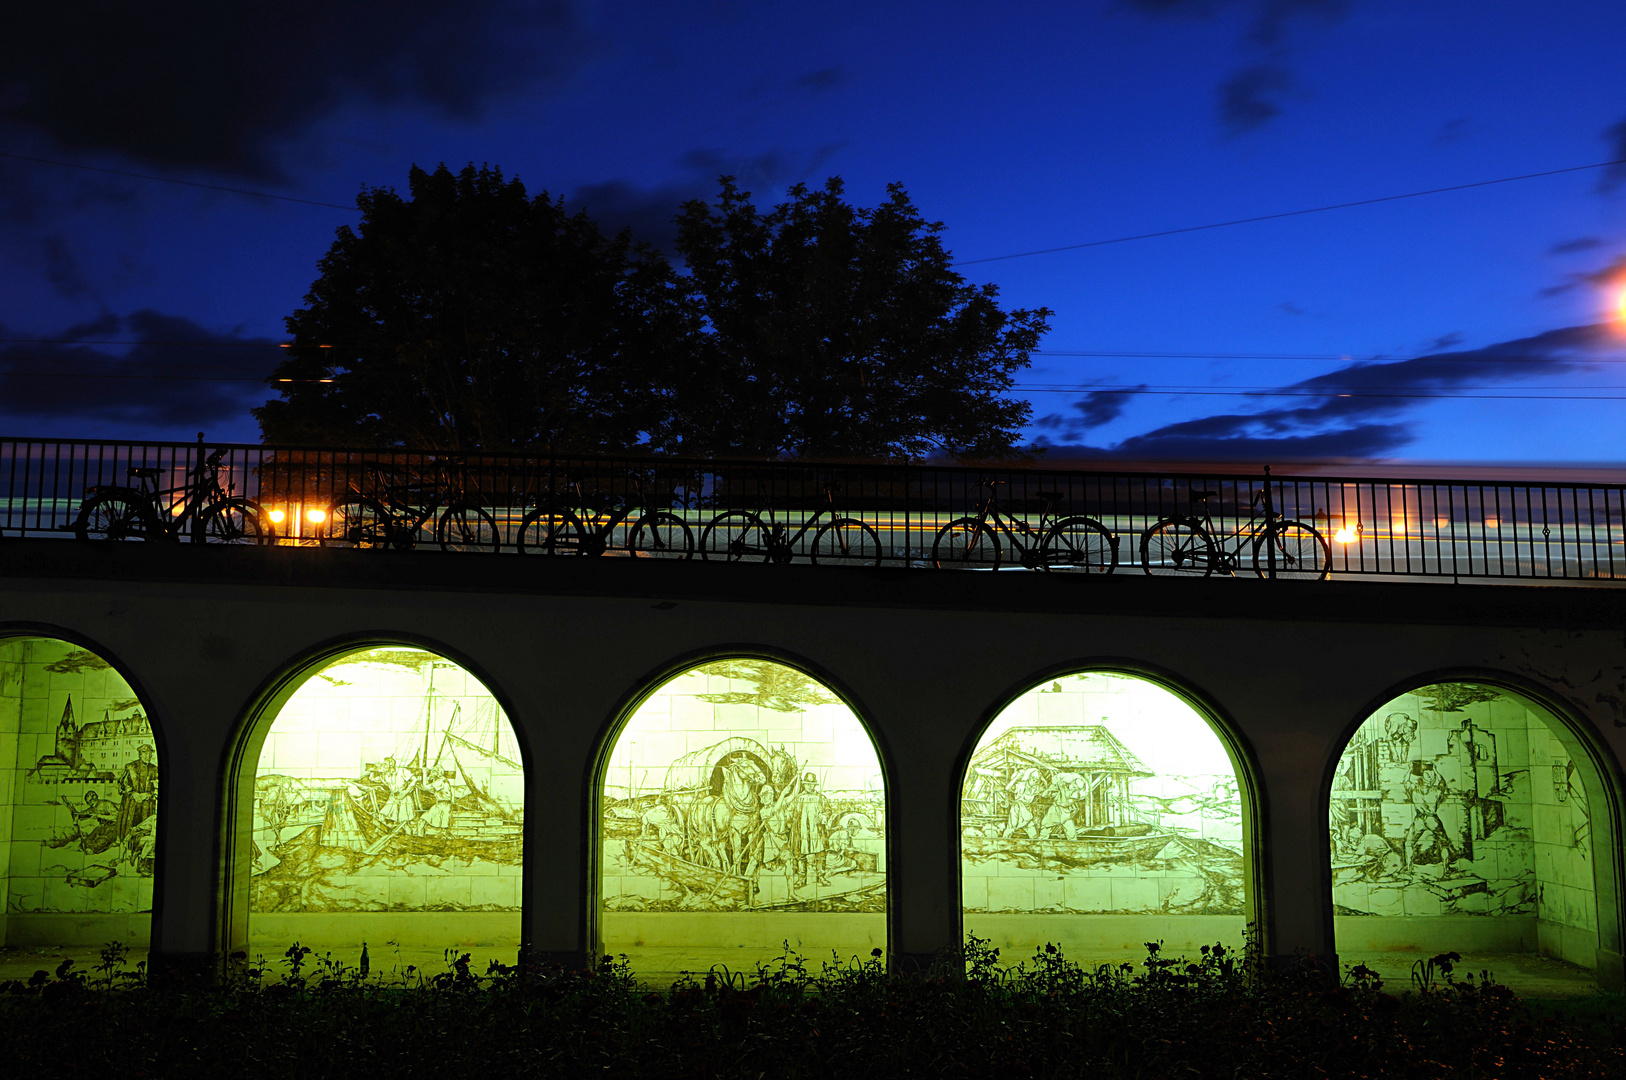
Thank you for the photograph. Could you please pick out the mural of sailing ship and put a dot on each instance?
(445, 805)
(737, 826)
(1070, 802)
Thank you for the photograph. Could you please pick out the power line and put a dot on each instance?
(1343, 358)
(1289, 213)
(172, 180)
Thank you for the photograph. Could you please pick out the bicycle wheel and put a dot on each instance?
(660, 535)
(1177, 547)
(966, 544)
(1080, 544)
(1300, 552)
(233, 522)
(359, 522)
(114, 515)
(846, 542)
(468, 528)
(550, 531)
(736, 536)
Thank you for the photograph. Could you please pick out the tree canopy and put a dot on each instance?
(470, 316)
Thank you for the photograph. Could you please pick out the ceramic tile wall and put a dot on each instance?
(1101, 794)
(390, 781)
(742, 786)
(1458, 800)
(78, 783)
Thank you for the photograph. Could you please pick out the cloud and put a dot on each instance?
(179, 377)
(1346, 413)
(650, 212)
(1615, 175)
(1247, 100)
(826, 78)
(1611, 274)
(1453, 131)
(1250, 98)
(217, 87)
(1579, 244)
(1095, 409)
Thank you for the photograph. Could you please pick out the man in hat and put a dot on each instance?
(138, 791)
(807, 844)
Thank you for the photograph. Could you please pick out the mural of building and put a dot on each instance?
(1456, 805)
(390, 784)
(743, 806)
(1093, 809)
(79, 789)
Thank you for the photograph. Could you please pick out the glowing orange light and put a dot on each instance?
(1620, 305)
(316, 517)
(1345, 535)
(276, 517)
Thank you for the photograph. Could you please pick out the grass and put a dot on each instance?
(1220, 1014)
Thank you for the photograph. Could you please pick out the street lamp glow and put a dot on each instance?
(316, 517)
(1345, 535)
(276, 517)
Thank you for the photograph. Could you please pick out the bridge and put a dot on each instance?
(1410, 756)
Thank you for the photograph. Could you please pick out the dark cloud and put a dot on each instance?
(1451, 131)
(1579, 244)
(1290, 308)
(1095, 409)
(827, 78)
(1611, 274)
(1251, 97)
(1248, 99)
(1615, 175)
(650, 211)
(1345, 413)
(185, 84)
(78, 388)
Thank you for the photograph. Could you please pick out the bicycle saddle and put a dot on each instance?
(1199, 496)
(143, 474)
(1048, 496)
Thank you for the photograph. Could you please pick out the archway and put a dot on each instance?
(79, 789)
(742, 808)
(1098, 812)
(388, 811)
(1461, 819)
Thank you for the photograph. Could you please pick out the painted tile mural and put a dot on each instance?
(1101, 794)
(744, 785)
(80, 777)
(1459, 800)
(391, 781)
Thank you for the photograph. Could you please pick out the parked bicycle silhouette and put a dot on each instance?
(200, 509)
(1190, 545)
(394, 514)
(1074, 543)
(744, 536)
(635, 528)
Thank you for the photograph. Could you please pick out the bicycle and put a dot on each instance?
(744, 536)
(1189, 545)
(121, 512)
(555, 529)
(1076, 543)
(392, 520)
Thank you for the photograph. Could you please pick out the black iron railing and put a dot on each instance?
(900, 515)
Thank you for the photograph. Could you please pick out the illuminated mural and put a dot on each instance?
(1100, 794)
(744, 786)
(1459, 800)
(78, 786)
(389, 782)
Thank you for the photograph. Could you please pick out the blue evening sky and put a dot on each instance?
(1020, 126)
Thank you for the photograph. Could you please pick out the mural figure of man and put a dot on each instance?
(1023, 787)
(1064, 791)
(138, 791)
(1427, 842)
(807, 845)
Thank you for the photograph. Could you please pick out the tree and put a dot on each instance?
(470, 316)
(833, 331)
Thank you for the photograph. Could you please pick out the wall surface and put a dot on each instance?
(212, 640)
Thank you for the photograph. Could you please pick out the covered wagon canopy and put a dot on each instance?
(703, 769)
(1077, 749)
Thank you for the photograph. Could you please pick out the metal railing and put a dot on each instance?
(1458, 529)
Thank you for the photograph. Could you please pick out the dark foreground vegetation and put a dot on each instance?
(1218, 1015)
